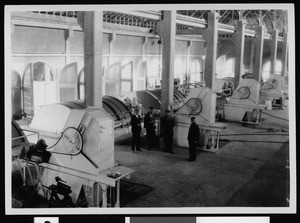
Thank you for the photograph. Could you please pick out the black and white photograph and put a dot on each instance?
(150, 109)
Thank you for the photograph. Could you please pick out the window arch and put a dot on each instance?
(126, 78)
(80, 85)
(141, 76)
(220, 64)
(225, 67)
(179, 69)
(39, 87)
(16, 101)
(153, 74)
(68, 83)
(112, 79)
(195, 71)
(265, 74)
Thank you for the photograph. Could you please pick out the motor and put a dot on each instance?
(36, 152)
(60, 189)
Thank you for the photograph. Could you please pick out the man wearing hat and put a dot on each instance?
(168, 122)
(149, 124)
(193, 138)
(136, 130)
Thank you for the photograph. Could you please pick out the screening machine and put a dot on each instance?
(115, 107)
(243, 105)
(200, 103)
(272, 91)
(81, 147)
(152, 98)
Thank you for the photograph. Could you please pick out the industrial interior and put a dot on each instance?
(77, 77)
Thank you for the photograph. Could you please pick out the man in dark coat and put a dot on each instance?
(136, 130)
(149, 124)
(168, 122)
(193, 138)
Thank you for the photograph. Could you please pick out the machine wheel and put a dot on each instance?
(244, 92)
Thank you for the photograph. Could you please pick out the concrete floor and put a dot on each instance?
(252, 174)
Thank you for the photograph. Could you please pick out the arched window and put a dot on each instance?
(220, 64)
(154, 73)
(195, 72)
(126, 78)
(226, 67)
(112, 79)
(80, 86)
(16, 93)
(179, 69)
(38, 86)
(68, 83)
(141, 76)
(229, 68)
(267, 67)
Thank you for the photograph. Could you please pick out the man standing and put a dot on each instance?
(168, 122)
(193, 138)
(149, 124)
(136, 130)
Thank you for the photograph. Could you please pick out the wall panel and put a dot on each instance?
(38, 40)
(197, 48)
(128, 45)
(181, 47)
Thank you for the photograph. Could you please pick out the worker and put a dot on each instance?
(168, 122)
(193, 138)
(136, 130)
(225, 89)
(149, 125)
(230, 87)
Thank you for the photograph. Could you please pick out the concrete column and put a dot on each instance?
(210, 35)
(187, 59)
(259, 43)
(284, 54)
(69, 33)
(239, 52)
(168, 33)
(273, 56)
(146, 39)
(112, 39)
(143, 60)
(252, 53)
(93, 41)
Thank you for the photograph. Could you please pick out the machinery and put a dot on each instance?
(36, 152)
(87, 145)
(200, 103)
(60, 189)
(243, 105)
(81, 147)
(272, 91)
(219, 83)
(113, 106)
(152, 98)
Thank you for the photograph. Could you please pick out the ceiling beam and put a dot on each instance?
(189, 32)
(226, 28)
(190, 21)
(155, 15)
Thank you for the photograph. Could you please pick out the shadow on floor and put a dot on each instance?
(269, 186)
